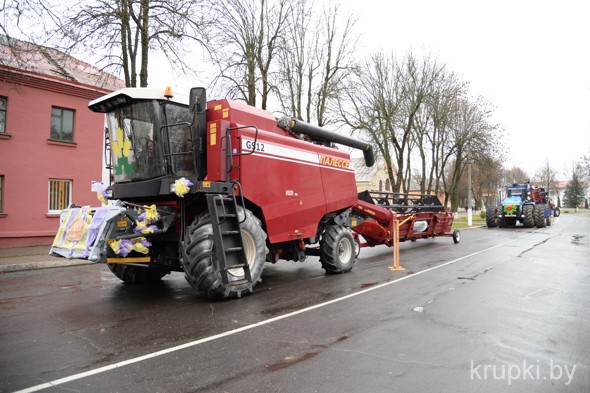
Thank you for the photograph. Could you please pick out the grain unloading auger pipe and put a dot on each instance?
(301, 127)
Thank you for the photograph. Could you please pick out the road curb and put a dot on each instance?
(43, 265)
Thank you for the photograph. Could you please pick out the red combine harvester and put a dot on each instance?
(216, 189)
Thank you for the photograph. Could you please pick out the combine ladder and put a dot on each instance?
(223, 210)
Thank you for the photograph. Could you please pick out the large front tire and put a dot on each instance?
(337, 250)
(199, 257)
(491, 217)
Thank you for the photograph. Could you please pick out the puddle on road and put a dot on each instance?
(291, 360)
(367, 285)
(579, 240)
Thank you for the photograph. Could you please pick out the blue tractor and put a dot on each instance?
(523, 203)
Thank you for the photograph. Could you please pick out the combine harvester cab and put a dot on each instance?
(144, 154)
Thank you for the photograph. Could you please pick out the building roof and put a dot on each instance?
(559, 184)
(362, 171)
(39, 60)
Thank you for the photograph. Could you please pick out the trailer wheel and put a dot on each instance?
(199, 257)
(337, 249)
(457, 236)
(556, 212)
(528, 218)
(137, 274)
(540, 216)
(491, 217)
(357, 247)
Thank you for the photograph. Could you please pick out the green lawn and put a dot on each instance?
(461, 222)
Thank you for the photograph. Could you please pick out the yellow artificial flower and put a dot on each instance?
(115, 245)
(182, 187)
(151, 214)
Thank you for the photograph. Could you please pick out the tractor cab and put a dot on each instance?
(515, 194)
(150, 135)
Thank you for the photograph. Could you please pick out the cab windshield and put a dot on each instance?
(517, 192)
(144, 147)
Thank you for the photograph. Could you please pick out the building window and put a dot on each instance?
(60, 194)
(380, 185)
(3, 114)
(387, 185)
(62, 125)
(1, 194)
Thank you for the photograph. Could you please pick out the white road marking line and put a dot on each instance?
(124, 363)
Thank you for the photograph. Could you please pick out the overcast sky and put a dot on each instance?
(531, 59)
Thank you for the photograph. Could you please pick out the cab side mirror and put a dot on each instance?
(198, 100)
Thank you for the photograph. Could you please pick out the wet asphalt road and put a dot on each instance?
(505, 310)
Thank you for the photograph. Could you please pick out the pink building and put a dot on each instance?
(51, 144)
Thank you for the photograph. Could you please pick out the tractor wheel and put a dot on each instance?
(137, 274)
(556, 212)
(491, 216)
(540, 216)
(337, 249)
(549, 219)
(199, 257)
(502, 223)
(528, 217)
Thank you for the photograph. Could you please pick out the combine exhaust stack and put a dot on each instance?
(319, 134)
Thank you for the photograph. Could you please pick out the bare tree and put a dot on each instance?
(389, 96)
(17, 18)
(516, 175)
(248, 37)
(432, 128)
(371, 105)
(316, 58)
(547, 177)
(25, 20)
(487, 177)
(119, 35)
(472, 138)
(334, 56)
(297, 64)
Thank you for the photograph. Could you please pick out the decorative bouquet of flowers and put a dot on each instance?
(510, 209)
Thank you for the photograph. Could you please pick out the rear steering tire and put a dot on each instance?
(528, 216)
(540, 216)
(337, 250)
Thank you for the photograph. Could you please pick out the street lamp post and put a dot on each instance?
(469, 212)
